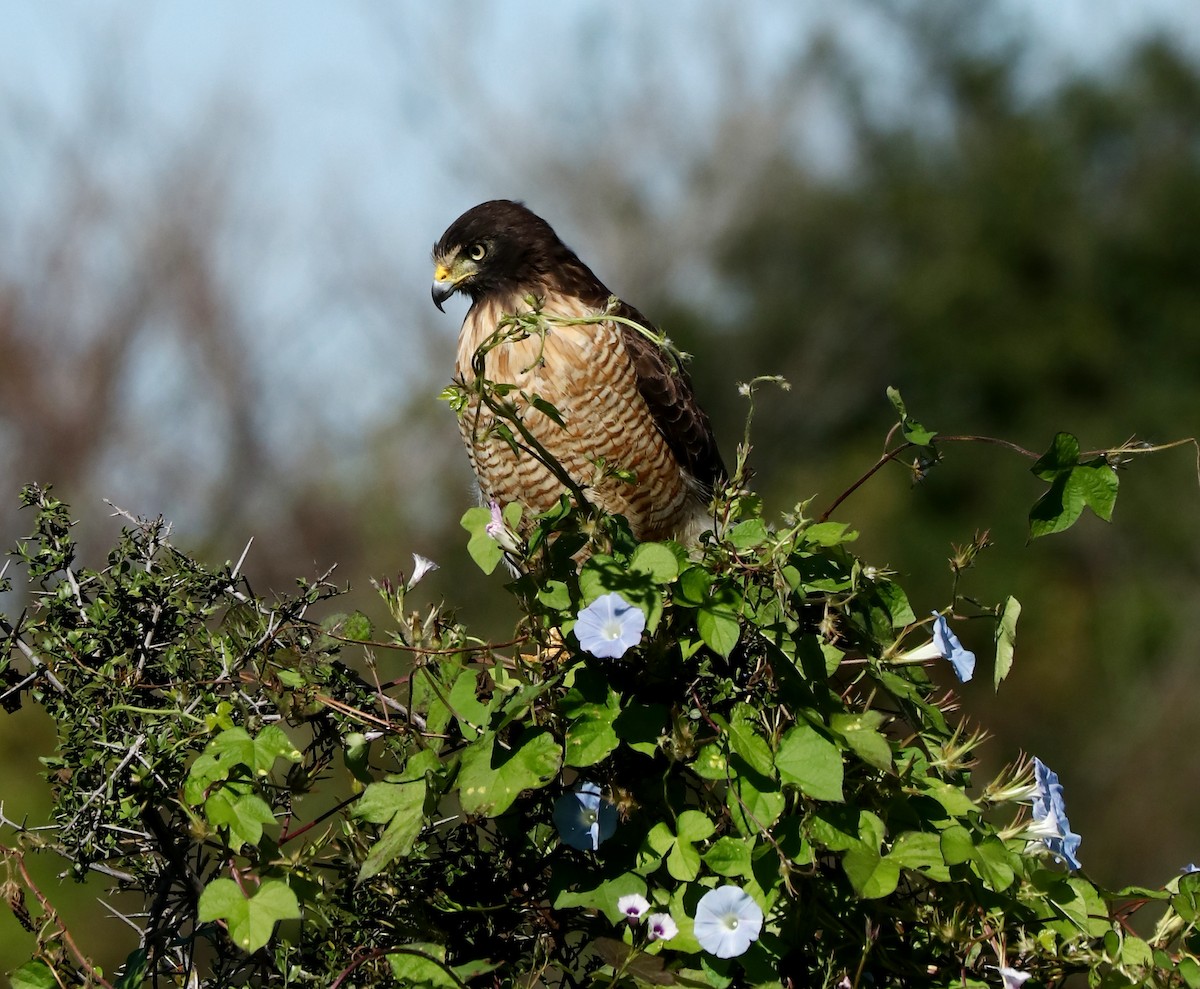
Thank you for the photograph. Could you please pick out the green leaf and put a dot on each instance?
(588, 740)
(470, 712)
(692, 589)
(422, 966)
(250, 919)
(718, 630)
(861, 732)
(33, 975)
(640, 726)
(1057, 509)
(717, 620)
(745, 740)
(1063, 454)
(729, 856)
(270, 744)
(748, 534)
(1136, 953)
(811, 761)
(475, 520)
(357, 627)
(1081, 906)
(913, 431)
(683, 861)
(835, 828)
(548, 410)
(658, 842)
(1072, 487)
(957, 845)
(233, 747)
(693, 825)
(712, 763)
(952, 798)
(754, 808)
(993, 863)
(829, 534)
(591, 693)
(921, 852)
(474, 969)
(603, 896)
(556, 595)
(1006, 637)
(491, 777)
(402, 807)
(871, 830)
(134, 970)
(871, 874)
(484, 550)
(1186, 902)
(657, 561)
(244, 814)
(896, 602)
(1098, 484)
(455, 396)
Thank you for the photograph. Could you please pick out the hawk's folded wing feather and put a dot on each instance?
(667, 390)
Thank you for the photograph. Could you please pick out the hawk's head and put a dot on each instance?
(498, 248)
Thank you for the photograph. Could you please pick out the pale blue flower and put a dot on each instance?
(1189, 869)
(727, 921)
(1050, 824)
(584, 819)
(946, 642)
(660, 927)
(609, 626)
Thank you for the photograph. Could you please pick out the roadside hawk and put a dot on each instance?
(632, 436)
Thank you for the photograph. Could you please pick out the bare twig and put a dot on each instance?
(52, 915)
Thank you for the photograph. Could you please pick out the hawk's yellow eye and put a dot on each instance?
(477, 251)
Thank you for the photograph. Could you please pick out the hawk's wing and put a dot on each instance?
(667, 390)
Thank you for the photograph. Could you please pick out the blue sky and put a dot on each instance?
(385, 121)
(382, 100)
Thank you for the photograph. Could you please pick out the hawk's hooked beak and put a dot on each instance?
(443, 286)
(446, 280)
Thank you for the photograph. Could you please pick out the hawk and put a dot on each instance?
(623, 399)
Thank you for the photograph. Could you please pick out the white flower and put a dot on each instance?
(609, 626)
(1013, 978)
(661, 927)
(421, 566)
(931, 650)
(727, 921)
(633, 906)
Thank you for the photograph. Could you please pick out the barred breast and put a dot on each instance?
(585, 372)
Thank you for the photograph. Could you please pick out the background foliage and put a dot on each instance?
(765, 726)
(1010, 244)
